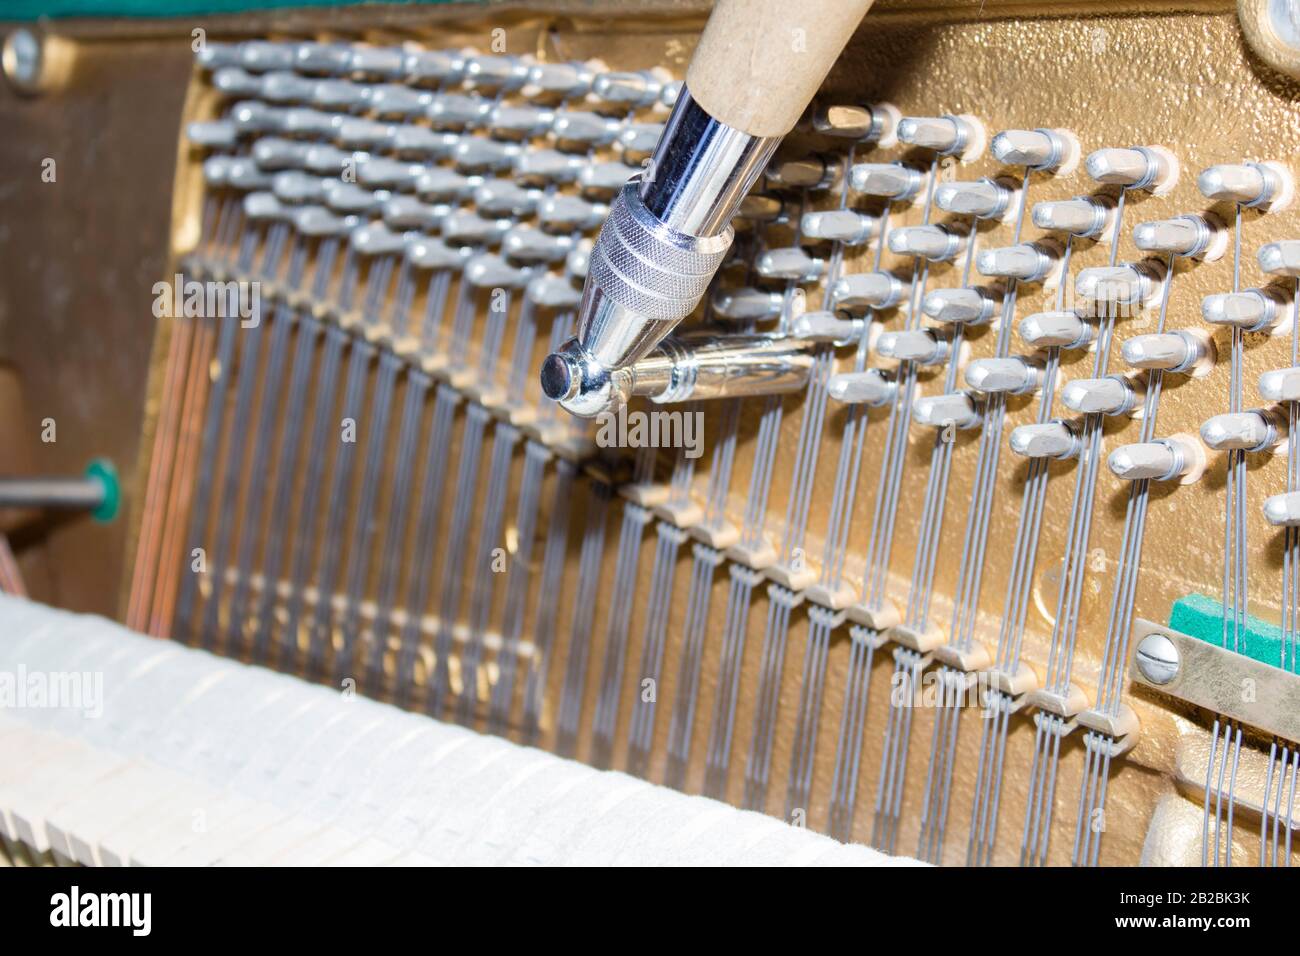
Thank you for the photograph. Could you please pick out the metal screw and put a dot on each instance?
(35, 63)
(1157, 659)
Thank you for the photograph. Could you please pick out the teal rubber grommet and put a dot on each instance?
(102, 470)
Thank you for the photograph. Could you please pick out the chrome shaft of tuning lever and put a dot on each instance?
(983, 198)
(961, 136)
(1258, 430)
(828, 328)
(896, 182)
(971, 305)
(1183, 350)
(940, 411)
(1280, 385)
(1150, 168)
(1267, 185)
(1054, 439)
(871, 387)
(1253, 310)
(1087, 217)
(1281, 258)
(1192, 236)
(1119, 290)
(1054, 150)
(747, 304)
(1164, 459)
(1056, 330)
(860, 122)
(932, 242)
(697, 367)
(1111, 395)
(1026, 261)
(870, 290)
(1013, 375)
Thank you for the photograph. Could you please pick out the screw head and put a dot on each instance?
(35, 62)
(1157, 659)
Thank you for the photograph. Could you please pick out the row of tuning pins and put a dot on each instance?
(1129, 286)
(1266, 186)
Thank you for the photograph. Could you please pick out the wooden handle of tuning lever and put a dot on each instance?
(759, 62)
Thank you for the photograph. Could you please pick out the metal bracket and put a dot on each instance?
(1227, 683)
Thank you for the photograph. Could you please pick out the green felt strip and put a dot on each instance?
(1202, 617)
